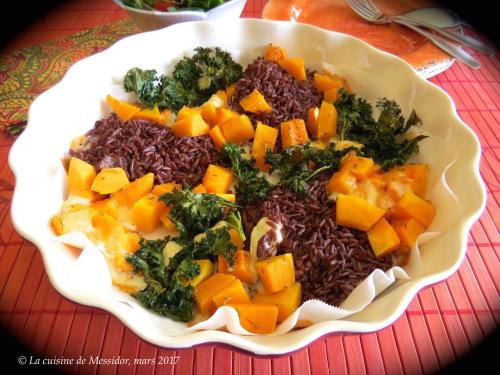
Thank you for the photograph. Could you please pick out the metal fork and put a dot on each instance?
(369, 12)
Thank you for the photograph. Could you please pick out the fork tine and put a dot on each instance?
(360, 9)
(371, 6)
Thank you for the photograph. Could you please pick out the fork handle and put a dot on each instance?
(444, 44)
(459, 38)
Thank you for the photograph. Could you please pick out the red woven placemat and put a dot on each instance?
(442, 324)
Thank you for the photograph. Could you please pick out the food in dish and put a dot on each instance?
(257, 188)
(173, 5)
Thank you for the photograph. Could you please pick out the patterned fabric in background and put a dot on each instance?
(26, 73)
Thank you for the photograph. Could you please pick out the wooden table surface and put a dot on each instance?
(441, 325)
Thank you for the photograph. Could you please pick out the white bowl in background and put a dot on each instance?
(71, 108)
(148, 20)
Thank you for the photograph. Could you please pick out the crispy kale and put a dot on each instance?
(192, 82)
(195, 213)
(146, 84)
(164, 293)
(173, 5)
(251, 187)
(295, 164)
(383, 140)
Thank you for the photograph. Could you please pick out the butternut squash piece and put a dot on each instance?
(294, 66)
(109, 231)
(125, 111)
(408, 231)
(131, 242)
(357, 213)
(219, 99)
(288, 300)
(242, 267)
(167, 187)
(238, 129)
(358, 166)
(186, 112)
(110, 180)
(276, 273)
(230, 90)
(206, 270)
(121, 263)
(199, 189)
(209, 113)
(383, 238)
(236, 239)
(73, 221)
(217, 137)
(412, 206)
(206, 290)
(217, 179)
(149, 114)
(327, 121)
(135, 190)
(341, 182)
(265, 139)
(190, 126)
(312, 121)
(108, 206)
(234, 292)
(331, 96)
(274, 53)
(419, 175)
(80, 177)
(293, 133)
(224, 114)
(145, 213)
(326, 81)
(257, 317)
(255, 103)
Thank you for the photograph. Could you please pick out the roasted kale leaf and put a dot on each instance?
(252, 187)
(383, 140)
(195, 213)
(192, 82)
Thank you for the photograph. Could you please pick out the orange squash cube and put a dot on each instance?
(146, 213)
(288, 300)
(129, 194)
(224, 114)
(383, 238)
(234, 292)
(274, 53)
(167, 187)
(312, 121)
(265, 139)
(205, 291)
(242, 267)
(412, 206)
(217, 137)
(255, 103)
(293, 133)
(217, 179)
(276, 272)
(108, 206)
(357, 213)
(149, 114)
(408, 231)
(341, 182)
(257, 317)
(325, 82)
(190, 126)
(294, 66)
(327, 121)
(81, 175)
(110, 180)
(199, 189)
(238, 129)
(125, 111)
(358, 166)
